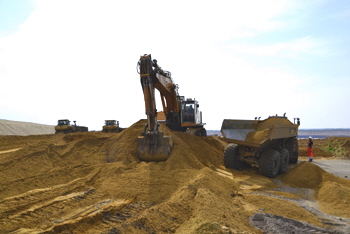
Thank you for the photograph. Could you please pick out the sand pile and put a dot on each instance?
(257, 136)
(43, 161)
(305, 175)
(333, 195)
(8, 127)
(93, 182)
(334, 198)
(331, 191)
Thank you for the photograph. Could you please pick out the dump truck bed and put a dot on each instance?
(256, 133)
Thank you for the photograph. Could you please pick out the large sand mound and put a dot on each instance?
(8, 127)
(93, 182)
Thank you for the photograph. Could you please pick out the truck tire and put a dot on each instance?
(269, 163)
(284, 161)
(201, 132)
(231, 158)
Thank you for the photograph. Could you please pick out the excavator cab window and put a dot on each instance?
(109, 122)
(189, 112)
(63, 122)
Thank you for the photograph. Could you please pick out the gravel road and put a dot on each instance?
(340, 168)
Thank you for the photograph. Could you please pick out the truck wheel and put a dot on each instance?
(231, 158)
(201, 132)
(284, 161)
(269, 163)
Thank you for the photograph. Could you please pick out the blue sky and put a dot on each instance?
(12, 14)
(240, 59)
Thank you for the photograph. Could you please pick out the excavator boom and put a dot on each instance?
(152, 145)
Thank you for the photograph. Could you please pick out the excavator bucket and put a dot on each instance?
(154, 147)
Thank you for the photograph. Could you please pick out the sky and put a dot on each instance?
(76, 59)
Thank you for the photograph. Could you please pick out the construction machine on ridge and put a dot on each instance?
(111, 125)
(64, 126)
(179, 114)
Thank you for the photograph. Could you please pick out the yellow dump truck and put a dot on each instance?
(64, 126)
(269, 144)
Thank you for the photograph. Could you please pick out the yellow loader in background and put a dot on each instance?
(64, 126)
(111, 126)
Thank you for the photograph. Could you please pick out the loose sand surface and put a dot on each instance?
(93, 182)
(8, 127)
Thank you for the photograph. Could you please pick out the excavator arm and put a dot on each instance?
(148, 87)
(153, 145)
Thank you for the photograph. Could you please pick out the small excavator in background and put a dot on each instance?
(179, 114)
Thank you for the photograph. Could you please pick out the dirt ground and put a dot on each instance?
(93, 182)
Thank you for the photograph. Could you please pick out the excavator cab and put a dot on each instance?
(191, 117)
(190, 114)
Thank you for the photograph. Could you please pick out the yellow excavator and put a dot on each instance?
(179, 114)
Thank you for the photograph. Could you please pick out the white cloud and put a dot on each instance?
(292, 49)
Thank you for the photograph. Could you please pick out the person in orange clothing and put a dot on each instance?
(309, 149)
